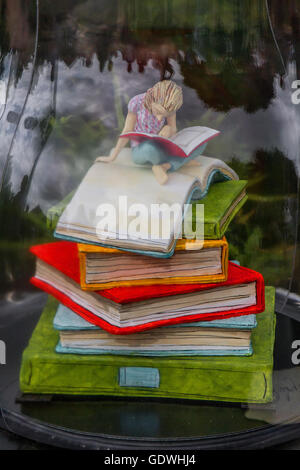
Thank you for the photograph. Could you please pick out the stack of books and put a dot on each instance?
(132, 316)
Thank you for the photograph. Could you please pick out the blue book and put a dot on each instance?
(225, 337)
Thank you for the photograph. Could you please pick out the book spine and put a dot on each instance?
(212, 231)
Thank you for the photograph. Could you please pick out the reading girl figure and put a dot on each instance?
(154, 112)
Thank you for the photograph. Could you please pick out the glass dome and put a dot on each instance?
(67, 72)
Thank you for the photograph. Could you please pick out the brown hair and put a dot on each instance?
(166, 93)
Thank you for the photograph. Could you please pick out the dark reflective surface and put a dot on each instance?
(67, 71)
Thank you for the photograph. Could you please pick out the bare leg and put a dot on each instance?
(160, 172)
(166, 166)
(193, 163)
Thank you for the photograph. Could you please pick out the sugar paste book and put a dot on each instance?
(226, 379)
(221, 205)
(181, 144)
(193, 262)
(120, 185)
(125, 310)
(223, 337)
(230, 195)
(66, 319)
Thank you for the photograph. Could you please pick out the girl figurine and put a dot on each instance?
(154, 112)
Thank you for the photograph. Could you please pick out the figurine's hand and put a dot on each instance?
(166, 131)
(104, 159)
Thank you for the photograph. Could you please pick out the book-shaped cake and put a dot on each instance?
(104, 209)
(226, 379)
(193, 262)
(125, 310)
(230, 197)
(230, 337)
(181, 144)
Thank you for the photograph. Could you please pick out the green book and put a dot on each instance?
(226, 379)
(221, 204)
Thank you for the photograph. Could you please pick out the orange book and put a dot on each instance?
(193, 261)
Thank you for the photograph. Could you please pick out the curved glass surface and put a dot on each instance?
(67, 72)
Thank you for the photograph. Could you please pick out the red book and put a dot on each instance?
(125, 310)
(181, 144)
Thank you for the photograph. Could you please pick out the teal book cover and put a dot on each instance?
(66, 320)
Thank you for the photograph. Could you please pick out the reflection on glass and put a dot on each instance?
(68, 70)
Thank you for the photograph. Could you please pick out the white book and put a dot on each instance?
(121, 185)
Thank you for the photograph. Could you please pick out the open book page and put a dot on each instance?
(201, 171)
(190, 138)
(108, 184)
(181, 144)
(206, 168)
(126, 188)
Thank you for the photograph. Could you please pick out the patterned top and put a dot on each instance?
(145, 121)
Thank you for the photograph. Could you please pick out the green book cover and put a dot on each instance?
(221, 204)
(229, 379)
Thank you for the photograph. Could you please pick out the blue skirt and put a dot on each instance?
(152, 153)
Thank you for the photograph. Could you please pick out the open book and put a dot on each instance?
(181, 144)
(121, 185)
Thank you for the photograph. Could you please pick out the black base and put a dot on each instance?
(70, 439)
(46, 398)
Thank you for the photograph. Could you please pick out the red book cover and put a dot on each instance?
(63, 256)
(171, 147)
